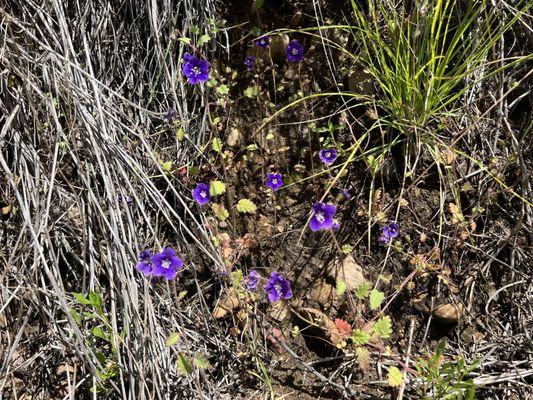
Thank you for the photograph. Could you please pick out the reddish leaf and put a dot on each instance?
(344, 328)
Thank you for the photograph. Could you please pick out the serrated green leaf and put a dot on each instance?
(223, 89)
(246, 206)
(341, 287)
(185, 40)
(360, 337)
(180, 134)
(363, 290)
(166, 166)
(251, 92)
(184, 366)
(172, 339)
(182, 294)
(346, 248)
(203, 39)
(216, 188)
(216, 144)
(363, 358)
(200, 362)
(376, 298)
(237, 278)
(395, 377)
(383, 327)
(220, 211)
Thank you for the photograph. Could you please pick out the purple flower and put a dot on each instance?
(194, 69)
(125, 199)
(322, 216)
(171, 114)
(145, 265)
(389, 232)
(336, 226)
(166, 264)
(263, 42)
(274, 181)
(328, 156)
(278, 287)
(252, 280)
(201, 193)
(249, 61)
(346, 194)
(294, 51)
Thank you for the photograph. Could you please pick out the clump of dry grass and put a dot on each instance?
(85, 90)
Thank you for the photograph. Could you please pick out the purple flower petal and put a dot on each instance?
(263, 42)
(322, 217)
(166, 264)
(195, 70)
(144, 265)
(328, 156)
(249, 61)
(201, 193)
(274, 181)
(278, 287)
(294, 51)
(252, 280)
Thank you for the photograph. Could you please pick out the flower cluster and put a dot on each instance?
(165, 264)
(195, 70)
(276, 288)
(294, 51)
(389, 232)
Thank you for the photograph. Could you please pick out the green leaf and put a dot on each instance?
(75, 316)
(360, 337)
(203, 39)
(220, 211)
(376, 298)
(346, 248)
(216, 144)
(237, 277)
(246, 206)
(184, 366)
(182, 294)
(383, 327)
(185, 40)
(223, 89)
(99, 333)
(81, 298)
(172, 339)
(200, 362)
(180, 134)
(251, 92)
(395, 377)
(216, 188)
(341, 287)
(363, 358)
(166, 166)
(363, 290)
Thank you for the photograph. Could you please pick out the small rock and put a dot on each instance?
(347, 271)
(234, 137)
(447, 313)
(278, 44)
(323, 293)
